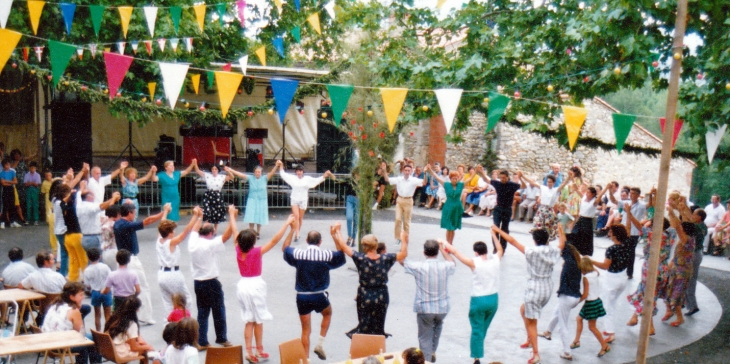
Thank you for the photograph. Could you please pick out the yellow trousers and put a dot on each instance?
(77, 260)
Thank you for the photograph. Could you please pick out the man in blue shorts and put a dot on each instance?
(313, 266)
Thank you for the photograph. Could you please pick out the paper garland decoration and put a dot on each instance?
(60, 54)
(151, 88)
(150, 13)
(173, 43)
(440, 3)
(279, 45)
(574, 119)
(8, 40)
(340, 96)
(188, 44)
(161, 43)
(622, 125)
(227, 86)
(296, 32)
(35, 8)
(25, 54)
(449, 102)
(261, 53)
(284, 90)
(677, 128)
(195, 79)
(393, 99)
(243, 61)
(148, 46)
(97, 14)
(200, 15)
(314, 21)
(227, 67)
(497, 106)
(116, 67)
(175, 14)
(330, 8)
(5, 6)
(120, 47)
(38, 53)
(135, 45)
(241, 6)
(297, 5)
(220, 8)
(713, 138)
(125, 15)
(173, 77)
(278, 5)
(68, 10)
(210, 77)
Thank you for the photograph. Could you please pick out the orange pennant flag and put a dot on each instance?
(200, 15)
(35, 9)
(195, 79)
(393, 99)
(574, 119)
(227, 86)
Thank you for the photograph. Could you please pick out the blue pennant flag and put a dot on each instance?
(279, 45)
(296, 4)
(284, 90)
(68, 11)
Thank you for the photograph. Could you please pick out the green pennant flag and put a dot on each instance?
(97, 13)
(622, 125)
(497, 106)
(221, 9)
(60, 54)
(175, 13)
(297, 33)
(340, 96)
(210, 76)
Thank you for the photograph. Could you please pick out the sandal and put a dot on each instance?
(566, 356)
(610, 338)
(545, 334)
(250, 357)
(604, 351)
(534, 360)
(526, 345)
(260, 353)
(575, 345)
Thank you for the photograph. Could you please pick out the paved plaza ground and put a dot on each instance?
(703, 337)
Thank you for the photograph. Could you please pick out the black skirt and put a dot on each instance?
(582, 236)
(214, 209)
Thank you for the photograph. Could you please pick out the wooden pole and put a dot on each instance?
(658, 223)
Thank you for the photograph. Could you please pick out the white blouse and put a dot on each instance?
(588, 208)
(215, 183)
(164, 257)
(485, 277)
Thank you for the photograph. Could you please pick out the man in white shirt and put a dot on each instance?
(300, 185)
(45, 279)
(638, 211)
(203, 246)
(97, 183)
(87, 211)
(715, 212)
(406, 186)
(17, 270)
(527, 206)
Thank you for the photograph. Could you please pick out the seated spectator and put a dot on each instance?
(67, 313)
(413, 356)
(183, 350)
(45, 279)
(17, 270)
(123, 327)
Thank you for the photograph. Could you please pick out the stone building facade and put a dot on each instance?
(531, 153)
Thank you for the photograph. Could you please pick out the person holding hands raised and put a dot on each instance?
(300, 185)
(257, 202)
(453, 209)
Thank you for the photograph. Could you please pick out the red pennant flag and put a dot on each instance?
(25, 54)
(148, 45)
(227, 67)
(116, 67)
(677, 128)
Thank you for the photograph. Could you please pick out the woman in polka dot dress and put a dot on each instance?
(214, 209)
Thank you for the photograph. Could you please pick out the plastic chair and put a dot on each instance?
(229, 355)
(105, 347)
(365, 345)
(292, 351)
(222, 155)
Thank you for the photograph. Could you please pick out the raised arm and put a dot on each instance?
(192, 165)
(197, 215)
(149, 176)
(528, 180)
(598, 198)
(79, 175)
(197, 170)
(403, 253)
(340, 243)
(118, 171)
(480, 172)
(158, 216)
(236, 173)
(384, 173)
(508, 238)
(652, 197)
(115, 197)
(444, 252)
(433, 174)
(279, 234)
(271, 173)
(232, 229)
(469, 262)
(677, 225)
(631, 219)
(565, 182)
(497, 246)
(561, 237)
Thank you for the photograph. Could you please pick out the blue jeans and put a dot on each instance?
(352, 209)
(502, 217)
(63, 254)
(209, 296)
(91, 241)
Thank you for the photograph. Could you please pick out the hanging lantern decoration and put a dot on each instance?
(617, 70)
(144, 99)
(655, 64)
(158, 102)
(677, 56)
(424, 108)
(271, 111)
(550, 88)
(518, 94)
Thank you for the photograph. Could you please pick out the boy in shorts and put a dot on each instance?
(123, 282)
(95, 276)
(300, 185)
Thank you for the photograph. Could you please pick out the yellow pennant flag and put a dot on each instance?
(227, 86)
(8, 40)
(152, 86)
(35, 9)
(440, 3)
(200, 15)
(574, 119)
(125, 15)
(261, 53)
(393, 99)
(278, 5)
(195, 79)
(314, 21)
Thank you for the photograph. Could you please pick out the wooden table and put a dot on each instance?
(62, 341)
(23, 298)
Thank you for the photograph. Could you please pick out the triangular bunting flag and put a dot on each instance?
(226, 67)
(243, 61)
(97, 13)
(25, 53)
(622, 125)
(297, 5)
(314, 21)
(120, 47)
(195, 79)
(449, 102)
(38, 53)
(574, 119)
(497, 106)
(297, 33)
(261, 53)
(35, 9)
(340, 96)
(150, 13)
(279, 45)
(393, 99)
(173, 76)
(161, 43)
(8, 40)
(92, 50)
(677, 128)
(174, 42)
(279, 6)
(284, 90)
(175, 13)
(210, 77)
(60, 54)
(79, 54)
(125, 15)
(135, 45)
(116, 67)
(241, 6)
(330, 8)
(440, 3)
(713, 138)
(151, 88)
(220, 8)
(5, 6)
(200, 15)
(227, 86)
(68, 11)
(148, 45)
(188, 44)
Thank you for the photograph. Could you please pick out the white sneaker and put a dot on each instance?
(35, 223)
(320, 352)
(14, 224)
(375, 206)
(2, 225)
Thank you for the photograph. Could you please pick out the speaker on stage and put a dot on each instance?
(71, 135)
(333, 149)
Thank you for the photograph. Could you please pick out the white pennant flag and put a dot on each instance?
(243, 61)
(713, 141)
(150, 12)
(5, 6)
(120, 47)
(38, 53)
(448, 101)
(174, 42)
(80, 52)
(173, 77)
(188, 44)
(330, 7)
(92, 49)
(161, 42)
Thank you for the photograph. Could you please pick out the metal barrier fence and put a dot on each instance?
(328, 195)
